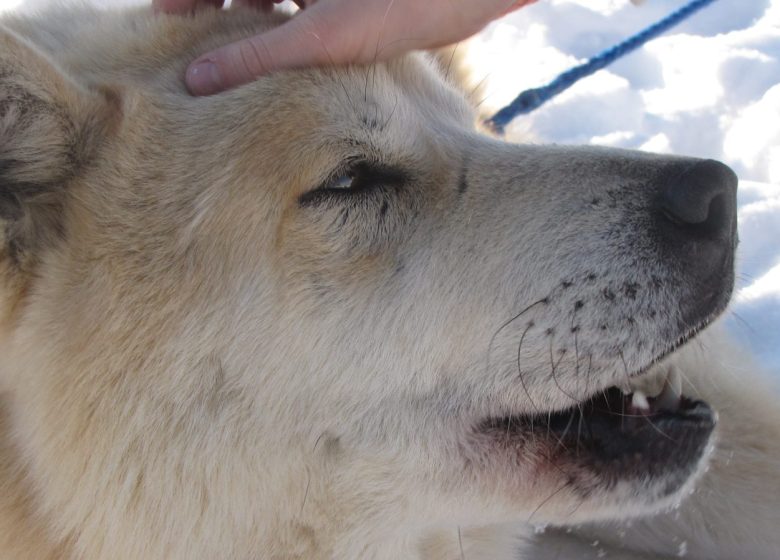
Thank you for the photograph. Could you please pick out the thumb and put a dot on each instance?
(298, 42)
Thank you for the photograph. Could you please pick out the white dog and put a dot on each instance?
(321, 316)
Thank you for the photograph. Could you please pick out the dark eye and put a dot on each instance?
(359, 178)
(343, 182)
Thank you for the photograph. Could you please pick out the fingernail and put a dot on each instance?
(203, 77)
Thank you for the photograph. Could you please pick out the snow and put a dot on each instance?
(710, 88)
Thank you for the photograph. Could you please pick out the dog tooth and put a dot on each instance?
(650, 384)
(639, 401)
(669, 399)
(675, 381)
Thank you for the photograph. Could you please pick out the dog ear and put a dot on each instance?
(49, 126)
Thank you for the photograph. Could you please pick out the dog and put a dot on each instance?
(324, 316)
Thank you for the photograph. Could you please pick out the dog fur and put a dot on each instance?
(205, 356)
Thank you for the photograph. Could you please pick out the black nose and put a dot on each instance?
(702, 201)
(697, 218)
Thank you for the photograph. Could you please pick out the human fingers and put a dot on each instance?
(264, 5)
(344, 31)
(267, 5)
(305, 40)
(183, 6)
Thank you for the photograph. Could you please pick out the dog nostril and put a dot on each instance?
(702, 199)
(720, 212)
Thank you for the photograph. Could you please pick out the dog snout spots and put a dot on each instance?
(630, 289)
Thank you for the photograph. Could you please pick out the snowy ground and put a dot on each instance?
(709, 88)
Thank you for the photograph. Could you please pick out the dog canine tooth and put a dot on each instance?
(651, 384)
(669, 399)
(675, 381)
(639, 401)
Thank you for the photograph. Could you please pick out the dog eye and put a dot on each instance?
(358, 179)
(345, 181)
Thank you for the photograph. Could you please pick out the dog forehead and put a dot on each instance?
(138, 48)
(386, 107)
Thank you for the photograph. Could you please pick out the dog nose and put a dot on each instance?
(697, 215)
(702, 201)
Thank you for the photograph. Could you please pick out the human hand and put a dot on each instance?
(336, 32)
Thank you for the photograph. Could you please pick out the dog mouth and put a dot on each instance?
(637, 445)
(643, 431)
(648, 415)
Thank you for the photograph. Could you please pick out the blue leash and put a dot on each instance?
(530, 99)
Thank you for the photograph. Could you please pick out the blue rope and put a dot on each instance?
(530, 99)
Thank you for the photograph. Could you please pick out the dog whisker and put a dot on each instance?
(506, 324)
(554, 365)
(743, 322)
(520, 369)
(547, 500)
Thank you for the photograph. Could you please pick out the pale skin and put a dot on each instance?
(335, 32)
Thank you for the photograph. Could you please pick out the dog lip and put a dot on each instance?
(622, 432)
(667, 445)
(689, 332)
(613, 406)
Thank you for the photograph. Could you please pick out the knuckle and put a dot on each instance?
(254, 57)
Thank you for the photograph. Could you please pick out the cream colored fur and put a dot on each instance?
(196, 363)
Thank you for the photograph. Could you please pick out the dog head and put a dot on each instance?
(324, 306)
